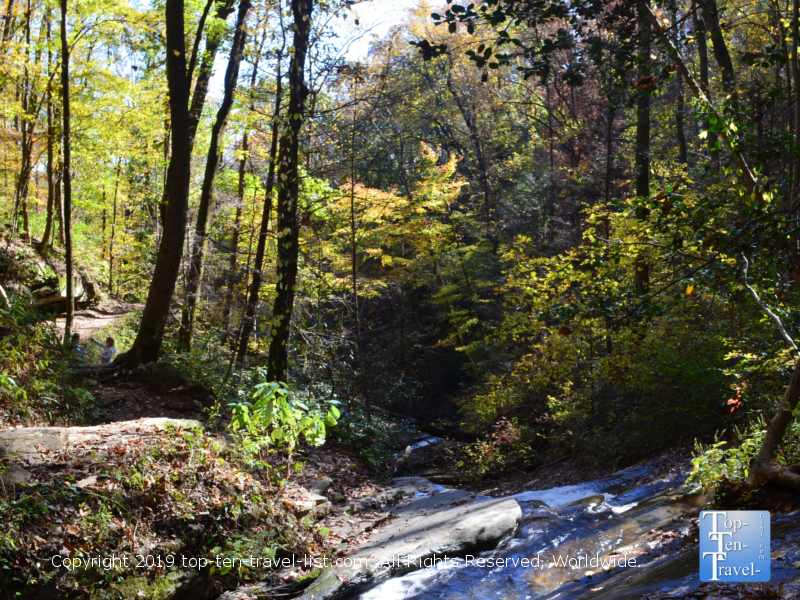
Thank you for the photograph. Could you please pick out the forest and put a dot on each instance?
(262, 291)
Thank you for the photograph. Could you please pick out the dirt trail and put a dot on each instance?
(90, 320)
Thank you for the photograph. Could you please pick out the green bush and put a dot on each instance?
(279, 418)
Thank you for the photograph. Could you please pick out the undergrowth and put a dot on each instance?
(37, 386)
(138, 505)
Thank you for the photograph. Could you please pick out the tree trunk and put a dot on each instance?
(67, 176)
(58, 198)
(234, 249)
(743, 168)
(763, 468)
(113, 233)
(201, 25)
(168, 260)
(213, 41)
(255, 285)
(680, 133)
(198, 97)
(612, 113)
(721, 54)
(26, 146)
(354, 269)
(796, 82)
(7, 18)
(51, 189)
(198, 252)
(642, 158)
(699, 26)
(288, 191)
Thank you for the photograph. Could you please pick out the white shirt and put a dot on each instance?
(106, 354)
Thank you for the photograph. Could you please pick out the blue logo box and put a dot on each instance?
(734, 545)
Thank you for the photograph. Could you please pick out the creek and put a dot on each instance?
(639, 527)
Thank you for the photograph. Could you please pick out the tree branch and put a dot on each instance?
(766, 309)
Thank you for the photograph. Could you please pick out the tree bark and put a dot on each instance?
(288, 192)
(198, 252)
(213, 41)
(258, 264)
(7, 19)
(113, 233)
(699, 26)
(49, 223)
(354, 267)
(642, 157)
(743, 169)
(198, 97)
(796, 82)
(680, 132)
(201, 25)
(168, 260)
(764, 468)
(721, 53)
(26, 146)
(67, 176)
(234, 248)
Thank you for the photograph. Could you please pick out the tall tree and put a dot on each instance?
(262, 236)
(198, 251)
(67, 175)
(288, 192)
(645, 83)
(213, 41)
(51, 188)
(701, 43)
(258, 265)
(148, 340)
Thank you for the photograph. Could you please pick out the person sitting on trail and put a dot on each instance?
(78, 349)
(107, 350)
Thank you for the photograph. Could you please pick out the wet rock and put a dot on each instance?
(535, 503)
(449, 478)
(428, 521)
(588, 501)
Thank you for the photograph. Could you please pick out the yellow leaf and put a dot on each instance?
(690, 290)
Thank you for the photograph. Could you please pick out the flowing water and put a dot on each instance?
(581, 541)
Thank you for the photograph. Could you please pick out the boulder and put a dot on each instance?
(143, 372)
(404, 487)
(431, 522)
(14, 474)
(17, 443)
(27, 442)
(165, 377)
(320, 486)
(309, 505)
